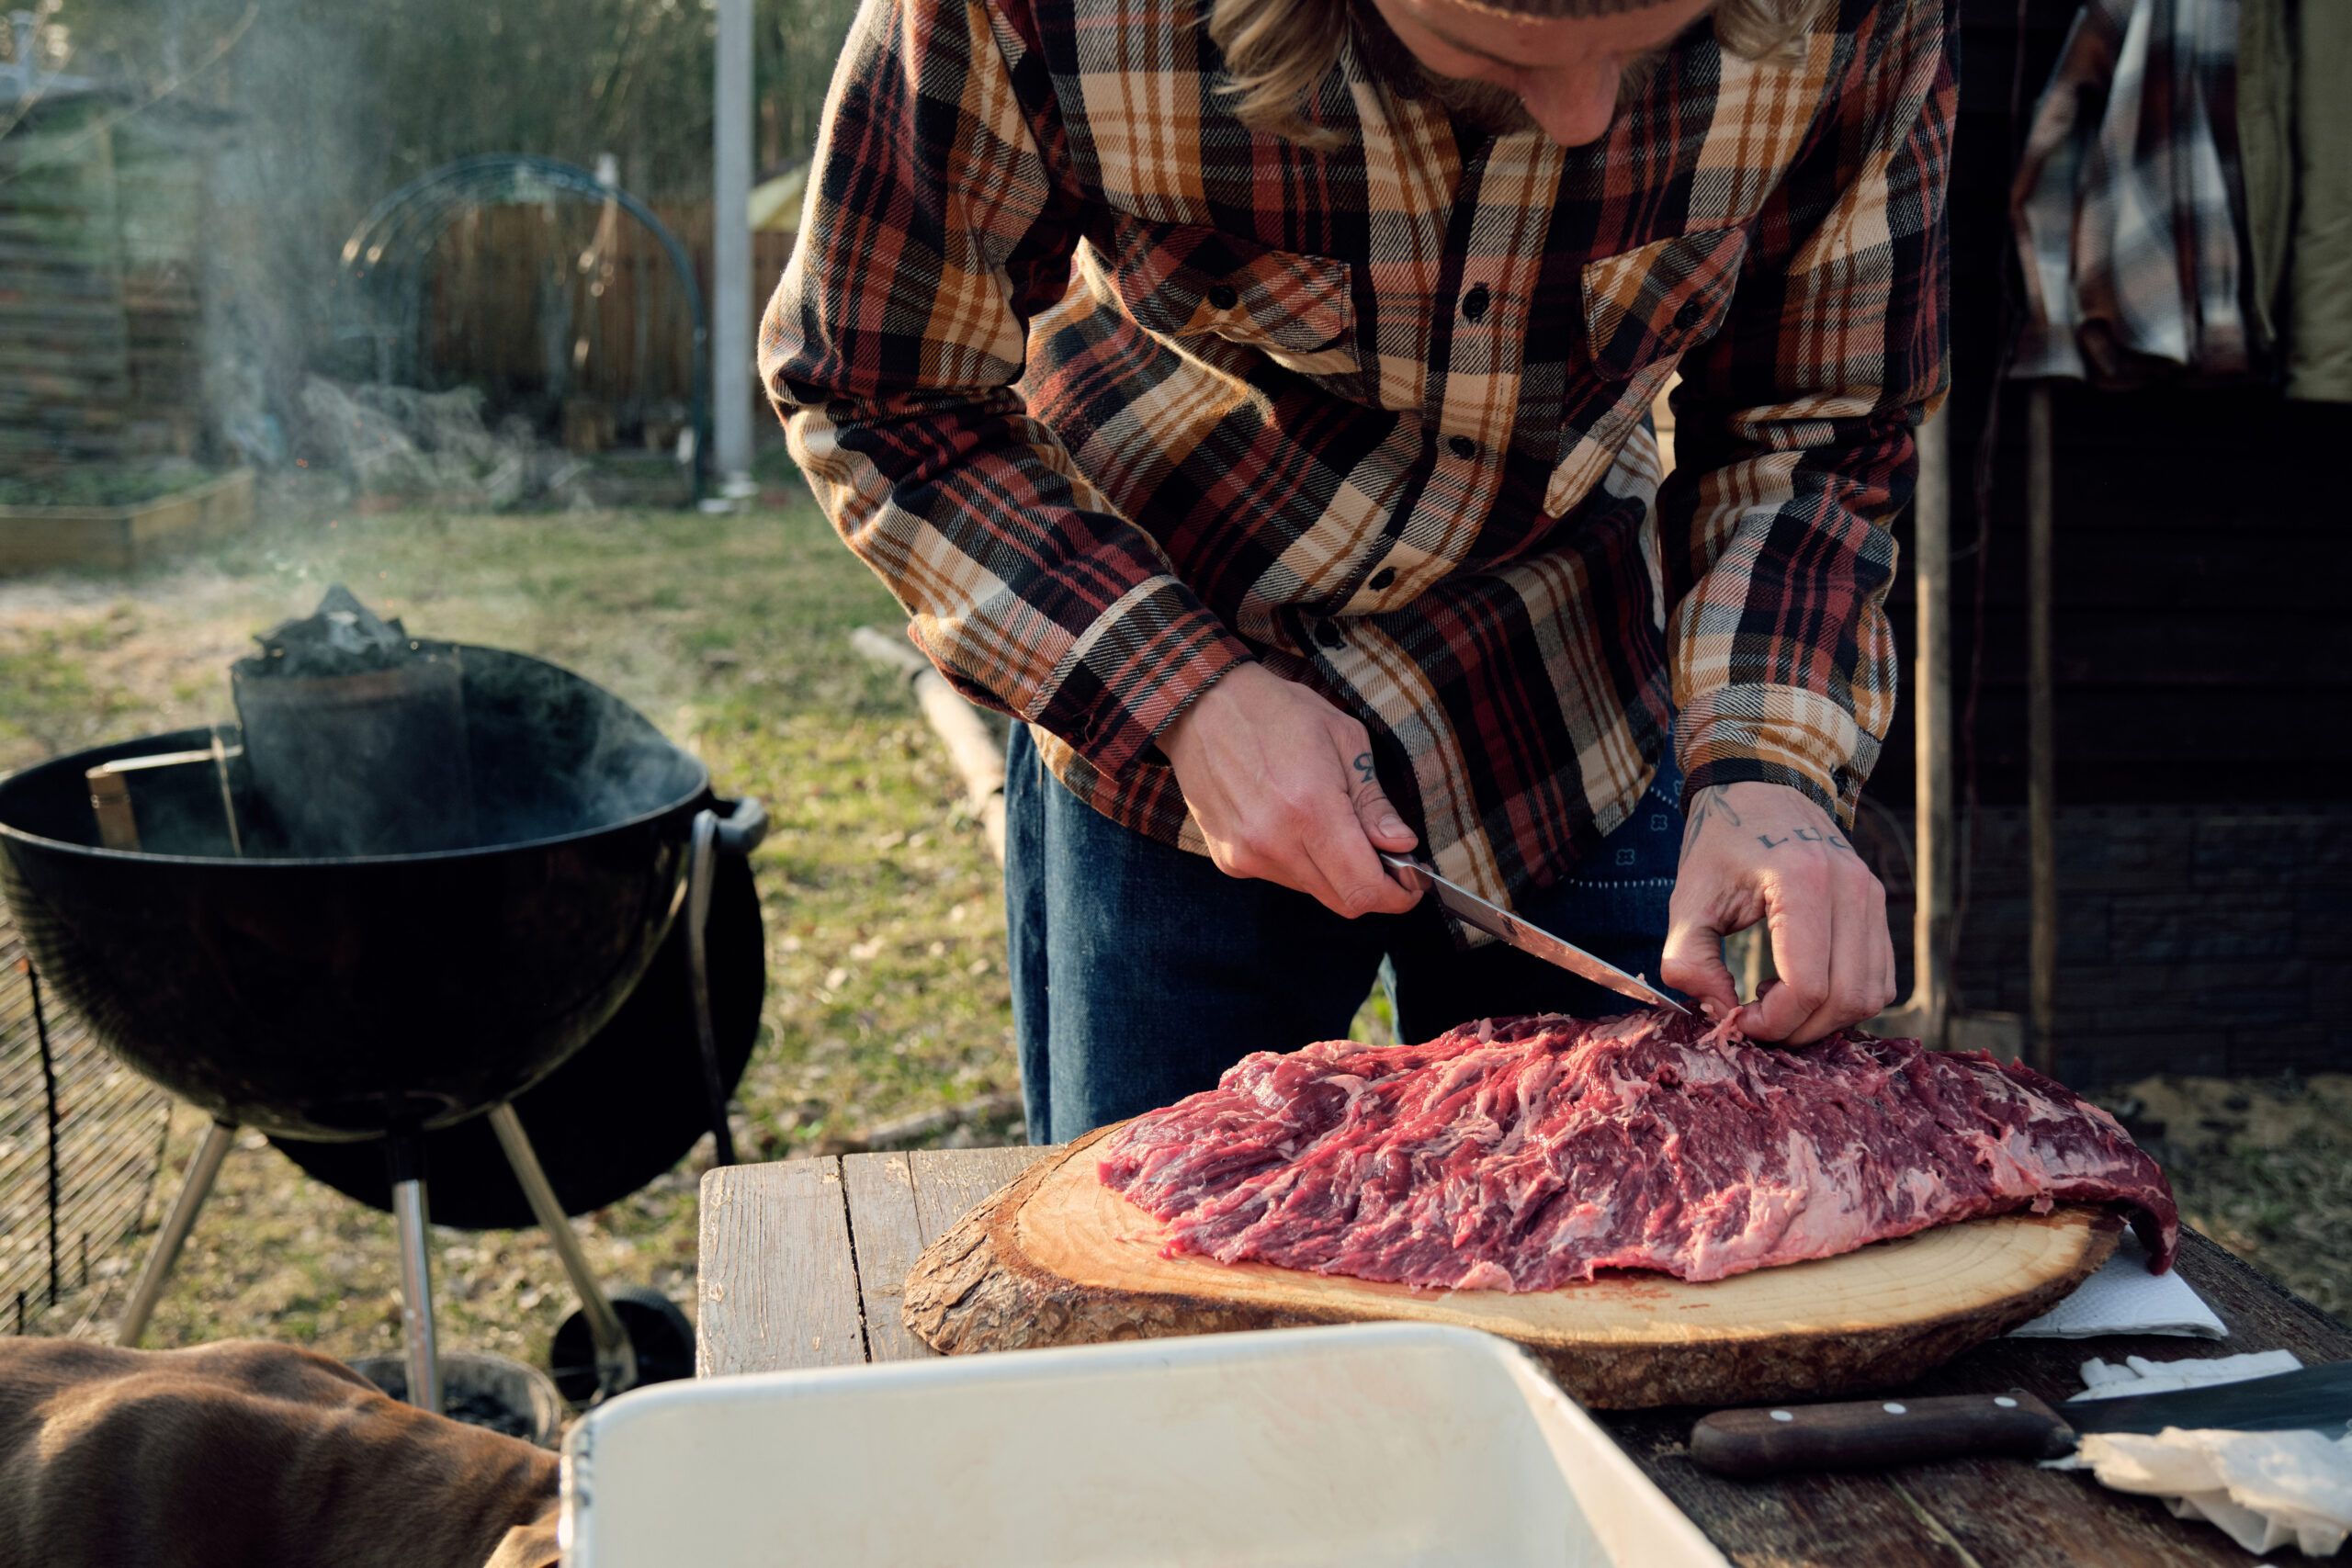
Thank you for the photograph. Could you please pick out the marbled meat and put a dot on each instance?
(1522, 1153)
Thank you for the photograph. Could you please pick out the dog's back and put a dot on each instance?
(250, 1453)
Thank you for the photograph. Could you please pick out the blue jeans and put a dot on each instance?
(1141, 972)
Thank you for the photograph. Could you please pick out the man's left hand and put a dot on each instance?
(1762, 851)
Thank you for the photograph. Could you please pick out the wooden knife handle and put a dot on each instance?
(1877, 1431)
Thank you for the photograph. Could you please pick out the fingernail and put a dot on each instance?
(1392, 825)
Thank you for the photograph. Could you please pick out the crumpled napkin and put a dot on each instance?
(2264, 1489)
(2139, 1375)
(2122, 1297)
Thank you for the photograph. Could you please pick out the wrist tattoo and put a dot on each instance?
(1707, 805)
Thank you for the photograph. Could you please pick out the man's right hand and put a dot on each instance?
(1282, 784)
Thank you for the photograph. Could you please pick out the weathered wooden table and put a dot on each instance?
(802, 1263)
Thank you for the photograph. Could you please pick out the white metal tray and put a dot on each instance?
(1375, 1444)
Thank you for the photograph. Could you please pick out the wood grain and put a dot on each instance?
(1997, 1511)
(950, 1182)
(1980, 1512)
(778, 1284)
(886, 1238)
(1058, 1259)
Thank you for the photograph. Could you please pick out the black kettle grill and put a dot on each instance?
(381, 995)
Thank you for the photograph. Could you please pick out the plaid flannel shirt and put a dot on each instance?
(1114, 393)
(2124, 221)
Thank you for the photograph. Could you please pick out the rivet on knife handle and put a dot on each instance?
(1877, 1431)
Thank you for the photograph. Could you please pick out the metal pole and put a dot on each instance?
(701, 867)
(2041, 784)
(616, 1357)
(406, 1151)
(1931, 720)
(201, 1172)
(731, 249)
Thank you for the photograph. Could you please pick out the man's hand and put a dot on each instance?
(1282, 784)
(1761, 852)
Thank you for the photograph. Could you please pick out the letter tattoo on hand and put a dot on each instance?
(1363, 765)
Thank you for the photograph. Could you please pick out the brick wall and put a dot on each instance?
(2193, 938)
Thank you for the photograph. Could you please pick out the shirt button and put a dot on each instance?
(1328, 633)
(1380, 581)
(1462, 447)
(1223, 297)
(1474, 304)
(1691, 315)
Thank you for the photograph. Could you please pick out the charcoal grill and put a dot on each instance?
(380, 997)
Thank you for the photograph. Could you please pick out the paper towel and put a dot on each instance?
(2139, 1375)
(2266, 1489)
(2122, 1297)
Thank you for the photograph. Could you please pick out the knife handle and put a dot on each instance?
(1877, 1431)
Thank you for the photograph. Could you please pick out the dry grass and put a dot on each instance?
(2264, 1166)
(886, 947)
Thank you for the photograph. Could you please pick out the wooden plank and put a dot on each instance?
(781, 1288)
(2068, 1516)
(886, 1236)
(777, 1281)
(949, 1183)
(2005, 1512)
(1994, 1510)
(939, 1186)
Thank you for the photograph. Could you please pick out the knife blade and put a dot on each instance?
(1473, 910)
(1909, 1431)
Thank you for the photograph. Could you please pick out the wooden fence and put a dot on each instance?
(540, 306)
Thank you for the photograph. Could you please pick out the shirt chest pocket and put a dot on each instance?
(1179, 282)
(1645, 309)
(1642, 311)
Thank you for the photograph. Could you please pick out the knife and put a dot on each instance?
(1911, 1431)
(1473, 910)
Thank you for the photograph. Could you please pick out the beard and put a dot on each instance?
(1485, 107)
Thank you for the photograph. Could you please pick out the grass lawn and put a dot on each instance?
(886, 947)
(887, 992)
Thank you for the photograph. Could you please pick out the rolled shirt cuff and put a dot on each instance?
(1768, 734)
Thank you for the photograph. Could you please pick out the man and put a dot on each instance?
(1253, 396)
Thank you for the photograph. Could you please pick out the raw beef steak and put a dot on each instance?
(1522, 1154)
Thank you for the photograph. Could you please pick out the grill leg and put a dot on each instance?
(616, 1357)
(406, 1151)
(201, 1173)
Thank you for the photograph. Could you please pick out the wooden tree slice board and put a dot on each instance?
(1058, 1259)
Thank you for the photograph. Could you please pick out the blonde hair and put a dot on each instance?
(1277, 51)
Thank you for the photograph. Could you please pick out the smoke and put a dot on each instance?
(401, 441)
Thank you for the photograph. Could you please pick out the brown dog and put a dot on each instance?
(248, 1453)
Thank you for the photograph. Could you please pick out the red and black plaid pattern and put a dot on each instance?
(1114, 393)
(2121, 202)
